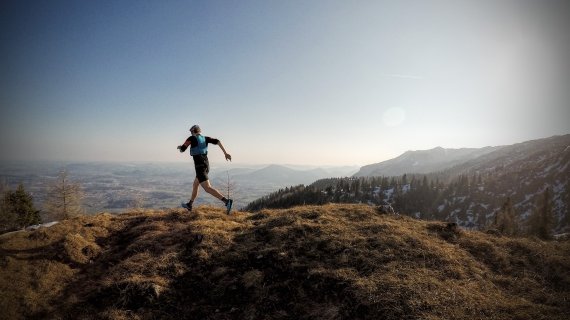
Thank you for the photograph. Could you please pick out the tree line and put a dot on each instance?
(17, 209)
(423, 196)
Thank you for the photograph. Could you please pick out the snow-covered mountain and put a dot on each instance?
(423, 161)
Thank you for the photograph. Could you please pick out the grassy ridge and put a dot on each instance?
(311, 262)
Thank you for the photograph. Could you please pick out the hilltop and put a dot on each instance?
(453, 162)
(309, 262)
(423, 161)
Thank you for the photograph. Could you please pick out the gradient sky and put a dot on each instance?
(290, 82)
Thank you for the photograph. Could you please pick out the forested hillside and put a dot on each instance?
(528, 176)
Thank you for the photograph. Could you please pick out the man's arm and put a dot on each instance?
(184, 146)
(219, 143)
(227, 155)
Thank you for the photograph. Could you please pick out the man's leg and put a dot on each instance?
(195, 189)
(209, 189)
(195, 185)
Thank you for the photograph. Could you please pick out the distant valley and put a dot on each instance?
(113, 187)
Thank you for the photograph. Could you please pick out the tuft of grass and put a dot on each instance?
(78, 250)
(311, 262)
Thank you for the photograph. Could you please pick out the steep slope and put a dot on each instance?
(313, 262)
(423, 161)
(470, 194)
(531, 154)
(521, 172)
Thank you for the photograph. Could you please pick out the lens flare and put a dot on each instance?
(394, 117)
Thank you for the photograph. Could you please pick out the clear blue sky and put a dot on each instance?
(298, 82)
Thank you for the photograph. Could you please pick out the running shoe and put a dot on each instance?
(229, 206)
(187, 206)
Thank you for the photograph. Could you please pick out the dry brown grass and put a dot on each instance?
(312, 262)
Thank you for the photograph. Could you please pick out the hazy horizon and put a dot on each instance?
(318, 83)
(185, 159)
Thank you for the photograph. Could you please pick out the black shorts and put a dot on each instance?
(202, 167)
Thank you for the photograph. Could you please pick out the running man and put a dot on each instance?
(199, 152)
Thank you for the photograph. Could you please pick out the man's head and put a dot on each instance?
(195, 129)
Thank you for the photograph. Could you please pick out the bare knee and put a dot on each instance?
(208, 189)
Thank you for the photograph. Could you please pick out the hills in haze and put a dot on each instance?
(284, 175)
(116, 186)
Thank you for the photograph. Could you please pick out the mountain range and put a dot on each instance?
(460, 161)
(424, 161)
(468, 186)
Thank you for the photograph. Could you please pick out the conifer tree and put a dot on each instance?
(505, 220)
(64, 198)
(17, 210)
(7, 218)
(356, 188)
(541, 220)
